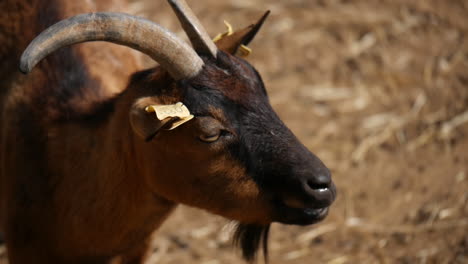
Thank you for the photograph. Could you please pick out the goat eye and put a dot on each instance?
(210, 138)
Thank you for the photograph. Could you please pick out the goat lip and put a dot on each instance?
(301, 216)
(317, 213)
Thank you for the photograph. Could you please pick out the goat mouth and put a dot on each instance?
(300, 216)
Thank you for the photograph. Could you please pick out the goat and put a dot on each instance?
(87, 169)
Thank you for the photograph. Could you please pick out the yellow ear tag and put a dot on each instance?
(227, 33)
(178, 110)
(244, 51)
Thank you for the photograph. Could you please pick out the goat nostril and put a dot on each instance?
(317, 186)
(321, 181)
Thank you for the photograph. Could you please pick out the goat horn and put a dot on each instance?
(197, 34)
(174, 55)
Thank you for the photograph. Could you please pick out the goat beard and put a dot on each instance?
(249, 238)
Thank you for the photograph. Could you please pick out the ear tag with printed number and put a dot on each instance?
(178, 110)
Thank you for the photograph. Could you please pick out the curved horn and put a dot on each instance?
(174, 55)
(197, 34)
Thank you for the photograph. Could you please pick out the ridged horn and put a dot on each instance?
(197, 34)
(174, 55)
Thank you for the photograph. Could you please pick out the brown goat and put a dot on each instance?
(87, 173)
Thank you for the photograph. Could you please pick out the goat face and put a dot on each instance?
(235, 158)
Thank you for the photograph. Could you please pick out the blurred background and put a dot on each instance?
(378, 89)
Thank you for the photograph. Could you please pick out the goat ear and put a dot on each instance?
(148, 118)
(230, 42)
(143, 123)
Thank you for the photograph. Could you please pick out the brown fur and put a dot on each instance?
(27, 106)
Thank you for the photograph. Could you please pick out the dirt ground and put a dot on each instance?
(378, 89)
